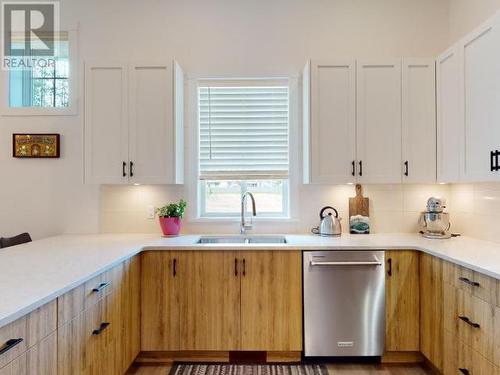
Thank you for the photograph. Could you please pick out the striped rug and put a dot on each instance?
(261, 369)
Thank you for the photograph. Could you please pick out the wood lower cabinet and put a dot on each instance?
(431, 309)
(402, 301)
(160, 322)
(221, 301)
(271, 301)
(104, 338)
(209, 301)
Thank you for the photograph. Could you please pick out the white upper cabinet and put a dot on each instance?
(480, 55)
(106, 123)
(419, 121)
(379, 121)
(450, 135)
(134, 124)
(331, 136)
(153, 126)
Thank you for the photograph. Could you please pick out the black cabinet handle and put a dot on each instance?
(467, 320)
(353, 168)
(406, 168)
(244, 267)
(361, 167)
(235, 266)
(101, 328)
(464, 371)
(131, 169)
(389, 272)
(175, 267)
(470, 282)
(492, 161)
(100, 287)
(9, 345)
(124, 173)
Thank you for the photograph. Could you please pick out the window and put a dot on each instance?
(42, 85)
(45, 85)
(243, 146)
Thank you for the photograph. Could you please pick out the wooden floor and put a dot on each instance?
(337, 369)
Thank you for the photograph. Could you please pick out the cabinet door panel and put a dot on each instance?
(402, 301)
(152, 141)
(450, 135)
(271, 301)
(333, 121)
(379, 121)
(106, 124)
(209, 300)
(481, 62)
(431, 309)
(419, 121)
(160, 317)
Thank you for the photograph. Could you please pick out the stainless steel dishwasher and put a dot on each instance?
(344, 303)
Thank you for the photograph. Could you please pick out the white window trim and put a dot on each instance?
(193, 212)
(74, 95)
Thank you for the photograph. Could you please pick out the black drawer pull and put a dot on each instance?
(101, 328)
(101, 287)
(131, 169)
(467, 320)
(464, 371)
(361, 168)
(467, 281)
(124, 165)
(407, 173)
(9, 345)
(353, 168)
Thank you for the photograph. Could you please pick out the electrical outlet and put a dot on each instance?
(150, 212)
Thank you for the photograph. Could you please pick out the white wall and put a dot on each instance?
(465, 15)
(219, 37)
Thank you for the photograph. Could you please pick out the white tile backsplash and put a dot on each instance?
(393, 208)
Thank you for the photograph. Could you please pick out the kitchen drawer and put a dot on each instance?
(481, 286)
(460, 358)
(87, 344)
(18, 336)
(471, 320)
(84, 296)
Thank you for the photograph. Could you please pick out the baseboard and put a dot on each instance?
(167, 357)
(403, 357)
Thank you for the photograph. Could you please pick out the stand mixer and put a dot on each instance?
(435, 223)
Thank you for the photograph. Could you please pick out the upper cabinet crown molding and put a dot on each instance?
(134, 130)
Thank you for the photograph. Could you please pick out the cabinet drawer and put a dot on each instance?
(18, 336)
(460, 358)
(481, 286)
(471, 320)
(84, 296)
(86, 344)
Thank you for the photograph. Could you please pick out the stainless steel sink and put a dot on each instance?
(242, 240)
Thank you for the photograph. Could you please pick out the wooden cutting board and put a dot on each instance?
(359, 205)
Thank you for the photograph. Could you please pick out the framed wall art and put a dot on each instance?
(36, 145)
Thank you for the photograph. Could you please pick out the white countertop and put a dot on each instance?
(35, 273)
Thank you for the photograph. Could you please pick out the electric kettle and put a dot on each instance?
(329, 224)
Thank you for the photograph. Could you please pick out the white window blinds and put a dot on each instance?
(243, 133)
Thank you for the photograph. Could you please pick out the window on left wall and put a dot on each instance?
(46, 87)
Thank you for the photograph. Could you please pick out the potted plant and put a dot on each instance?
(170, 217)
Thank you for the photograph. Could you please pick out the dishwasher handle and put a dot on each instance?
(375, 262)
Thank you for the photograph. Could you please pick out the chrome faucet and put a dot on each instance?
(244, 226)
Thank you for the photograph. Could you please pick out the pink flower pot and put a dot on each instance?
(170, 226)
